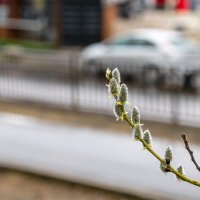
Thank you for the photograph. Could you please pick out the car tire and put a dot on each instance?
(151, 75)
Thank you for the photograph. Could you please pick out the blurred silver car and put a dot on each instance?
(141, 50)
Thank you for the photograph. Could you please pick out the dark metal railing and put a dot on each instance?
(59, 79)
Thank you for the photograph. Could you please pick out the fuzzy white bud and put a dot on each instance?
(181, 170)
(113, 87)
(168, 155)
(108, 74)
(163, 167)
(116, 75)
(135, 116)
(118, 112)
(123, 94)
(147, 137)
(137, 132)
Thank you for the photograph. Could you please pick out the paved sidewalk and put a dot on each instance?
(99, 158)
(17, 185)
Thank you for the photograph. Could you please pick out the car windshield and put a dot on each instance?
(118, 41)
(183, 44)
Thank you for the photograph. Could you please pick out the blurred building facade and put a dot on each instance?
(25, 18)
(66, 22)
(72, 22)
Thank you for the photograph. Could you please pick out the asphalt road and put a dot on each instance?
(94, 157)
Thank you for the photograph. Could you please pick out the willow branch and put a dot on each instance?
(158, 157)
(187, 146)
(120, 93)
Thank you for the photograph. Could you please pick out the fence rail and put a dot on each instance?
(60, 80)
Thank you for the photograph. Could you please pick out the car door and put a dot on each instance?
(118, 48)
(144, 51)
(133, 50)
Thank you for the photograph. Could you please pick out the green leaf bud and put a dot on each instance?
(113, 87)
(135, 116)
(123, 94)
(118, 112)
(108, 74)
(137, 132)
(168, 155)
(116, 75)
(147, 137)
(180, 170)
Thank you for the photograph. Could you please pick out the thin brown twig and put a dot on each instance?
(190, 151)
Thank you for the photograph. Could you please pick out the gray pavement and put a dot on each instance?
(94, 157)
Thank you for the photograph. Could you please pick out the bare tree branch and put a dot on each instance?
(190, 151)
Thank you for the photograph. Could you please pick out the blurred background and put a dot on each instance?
(58, 136)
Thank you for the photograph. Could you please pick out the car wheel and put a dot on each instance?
(189, 81)
(150, 75)
(100, 74)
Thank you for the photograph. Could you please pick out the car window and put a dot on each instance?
(141, 43)
(132, 42)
